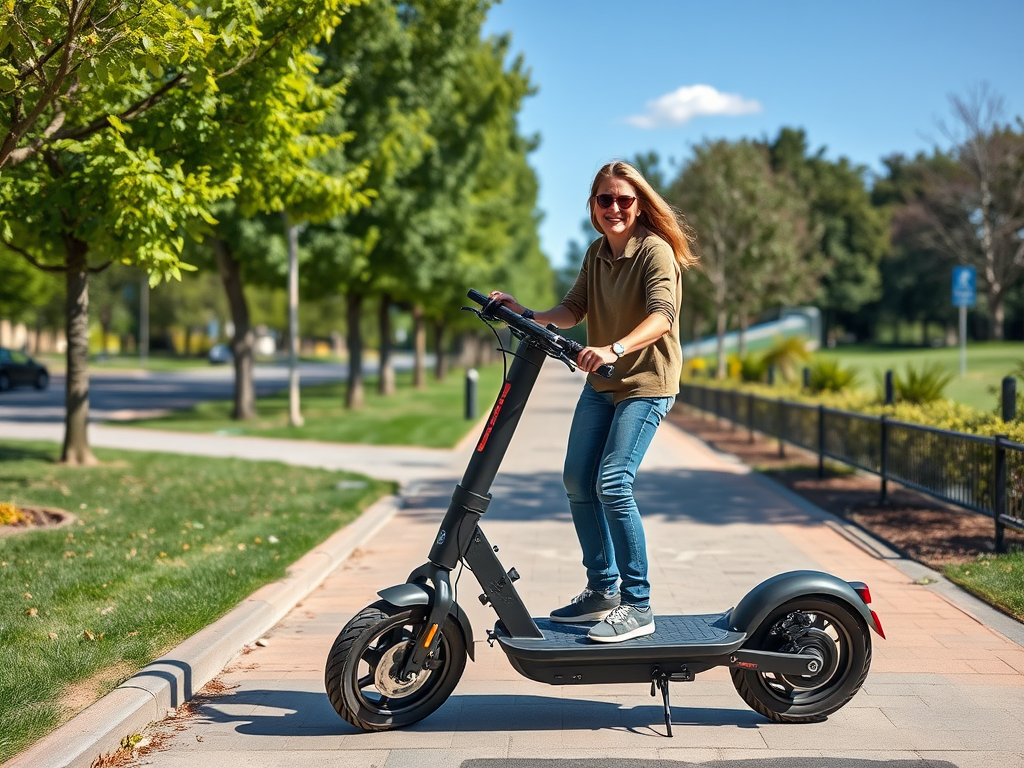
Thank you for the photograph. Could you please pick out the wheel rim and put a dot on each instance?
(826, 638)
(375, 676)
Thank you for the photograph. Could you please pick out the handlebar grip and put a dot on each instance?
(605, 370)
(478, 297)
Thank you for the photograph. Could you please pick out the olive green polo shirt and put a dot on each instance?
(615, 296)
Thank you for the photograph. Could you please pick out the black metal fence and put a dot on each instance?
(983, 474)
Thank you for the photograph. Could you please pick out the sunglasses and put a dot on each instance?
(623, 201)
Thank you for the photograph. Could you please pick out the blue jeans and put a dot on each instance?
(606, 444)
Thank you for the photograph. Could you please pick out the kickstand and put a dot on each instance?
(660, 681)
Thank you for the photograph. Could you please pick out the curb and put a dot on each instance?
(174, 678)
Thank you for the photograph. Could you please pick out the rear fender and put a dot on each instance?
(770, 594)
(408, 595)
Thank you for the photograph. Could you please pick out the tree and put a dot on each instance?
(752, 232)
(978, 220)
(851, 233)
(139, 146)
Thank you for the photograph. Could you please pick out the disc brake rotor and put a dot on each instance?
(386, 675)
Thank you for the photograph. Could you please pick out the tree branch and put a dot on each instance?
(33, 260)
(97, 270)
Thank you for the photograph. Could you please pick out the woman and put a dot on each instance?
(629, 290)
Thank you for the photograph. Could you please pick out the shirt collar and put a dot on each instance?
(632, 245)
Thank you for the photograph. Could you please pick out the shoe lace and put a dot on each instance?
(619, 614)
(582, 596)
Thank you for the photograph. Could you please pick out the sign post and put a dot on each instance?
(965, 294)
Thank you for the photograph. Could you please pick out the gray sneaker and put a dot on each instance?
(624, 623)
(588, 605)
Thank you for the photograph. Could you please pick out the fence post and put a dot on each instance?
(771, 375)
(890, 390)
(750, 415)
(807, 377)
(821, 440)
(782, 427)
(1009, 398)
(999, 489)
(734, 410)
(884, 460)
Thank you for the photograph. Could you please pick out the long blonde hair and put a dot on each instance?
(655, 214)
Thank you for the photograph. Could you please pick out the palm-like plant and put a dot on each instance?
(831, 376)
(918, 385)
(785, 354)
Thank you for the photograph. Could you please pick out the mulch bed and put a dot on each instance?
(918, 526)
(38, 517)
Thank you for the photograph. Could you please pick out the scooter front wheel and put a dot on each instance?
(820, 626)
(362, 669)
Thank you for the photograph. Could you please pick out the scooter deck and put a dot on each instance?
(675, 637)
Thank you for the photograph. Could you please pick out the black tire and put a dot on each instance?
(5, 382)
(837, 634)
(379, 633)
(42, 380)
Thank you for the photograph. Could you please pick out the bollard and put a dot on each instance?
(771, 375)
(471, 380)
(1009, 398)
(807, 378)
(890, 389)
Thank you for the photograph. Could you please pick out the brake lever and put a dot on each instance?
(569, 363)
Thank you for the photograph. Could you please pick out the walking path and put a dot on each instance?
(945, 689)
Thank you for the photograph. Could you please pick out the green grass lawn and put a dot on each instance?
(987, 364)
(431, 418)
(163, 546)
(997, 579)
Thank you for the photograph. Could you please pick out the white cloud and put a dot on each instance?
(688, 102)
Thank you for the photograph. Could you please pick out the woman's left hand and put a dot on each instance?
(592, 358)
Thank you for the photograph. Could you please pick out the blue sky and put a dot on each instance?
(865, 79)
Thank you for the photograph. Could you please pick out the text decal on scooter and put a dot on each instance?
(494, 416)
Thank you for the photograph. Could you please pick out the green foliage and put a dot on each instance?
(786, 354)
(831, 376)
(917, 384)
(164, 545)
(753, 367)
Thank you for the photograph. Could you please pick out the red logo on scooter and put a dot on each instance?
(494, 416)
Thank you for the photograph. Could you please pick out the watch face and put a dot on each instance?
(618, 349)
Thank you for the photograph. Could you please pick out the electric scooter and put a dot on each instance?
(798, 645)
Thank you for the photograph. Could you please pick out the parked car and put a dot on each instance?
(220, 354)
(18, 369)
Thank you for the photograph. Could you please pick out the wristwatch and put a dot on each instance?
(528, 314)
(618, 349)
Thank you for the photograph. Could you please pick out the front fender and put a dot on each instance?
(407, 595)
(770, 594)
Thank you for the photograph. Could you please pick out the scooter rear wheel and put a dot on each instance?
(821, 626)
(361, 672)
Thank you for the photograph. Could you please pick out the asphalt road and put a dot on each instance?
(126, 394)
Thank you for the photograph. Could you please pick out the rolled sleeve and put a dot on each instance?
(661, 281)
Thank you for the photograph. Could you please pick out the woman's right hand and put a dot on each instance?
(507, 300)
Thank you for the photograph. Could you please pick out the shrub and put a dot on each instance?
(753, 368)
(10, 514)
(696, 366)
(831, 376)
(926, 384)
(786, 354)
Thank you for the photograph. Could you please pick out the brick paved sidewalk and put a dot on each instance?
(944, 690)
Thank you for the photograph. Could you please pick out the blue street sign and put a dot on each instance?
(965, 286)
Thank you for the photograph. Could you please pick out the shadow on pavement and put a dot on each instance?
(683, 495)
(777, 762)
(303, 713)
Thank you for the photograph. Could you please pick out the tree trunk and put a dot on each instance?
(355, 396)
(741, 348)
(723, 319)
(419, 338)
(441, 359)
(997, 306)
(386, 380)
(76, 449)
(244, 341)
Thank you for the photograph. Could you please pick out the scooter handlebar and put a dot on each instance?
(552, 343)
